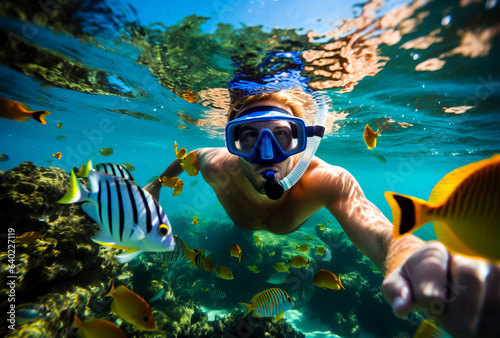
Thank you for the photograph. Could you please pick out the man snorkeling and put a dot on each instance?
(264, 183)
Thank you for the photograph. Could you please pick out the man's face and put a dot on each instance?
(247, 137)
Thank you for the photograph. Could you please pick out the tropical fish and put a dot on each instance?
(4, 157)
(464, 206)
(106, 151)
(157, 296)
(370, 137)
(298, 262)
(154, 178)
(322, 226)
(277, 278)
(235, 251)
(48, 159)
(253, 268)
(59, 125)
(320, 250)
(180, 154)
(176, 255)
(31, 312)
(272, 253)
(378, 156)
(18, 111)
(95, 327)
(209, 262)
(130, 307)
(308, 239)
(115, 170)
(29, 237)
(269, 303)
(173, 182)
(280, 267)
(61, 138)
(194, 183)
(196, 233)
(223, 272)
(218, 293)
(327, 280)
(57, 155)
(428, 329)
(130, 217)
(195, 221)
(303, 247)
(129, 167)
(257, 241)
(190, 164)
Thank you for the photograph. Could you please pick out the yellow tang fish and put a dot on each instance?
(95, 327)
(298, 262)
(280, 267)
(320, 250)
(106, 151)
(303, 247)
(370, 137)
(180, 154)
(172, 182)
(327, 280)
(253, 268)
(308, 239)
(18, 111)
(223, 272)
(131, 307)
(190, 164)
(464, 206)
(195, 220)
(57, 155)
(235, 251)
(269, 303)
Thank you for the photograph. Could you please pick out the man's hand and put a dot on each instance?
(459, 293)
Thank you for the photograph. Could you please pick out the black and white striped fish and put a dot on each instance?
(107, 168)
(217, 293)
(130, 217)
(115, 170)
(176, 255)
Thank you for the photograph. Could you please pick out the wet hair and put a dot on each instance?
(300, 102)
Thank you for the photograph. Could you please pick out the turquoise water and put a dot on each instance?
(124, 97)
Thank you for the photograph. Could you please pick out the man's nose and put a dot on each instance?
(266, 147)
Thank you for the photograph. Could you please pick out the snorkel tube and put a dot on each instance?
(274, 188)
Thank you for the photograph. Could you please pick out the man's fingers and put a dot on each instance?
(397, 291)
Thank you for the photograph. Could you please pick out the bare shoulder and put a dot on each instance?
(213, 161)
(329, 180)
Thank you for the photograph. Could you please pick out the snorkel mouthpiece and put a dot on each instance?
(274, 189)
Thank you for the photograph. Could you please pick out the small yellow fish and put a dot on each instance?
(464, 206)
(18, 111)
(272, 253)
(223, 272)
(129, 166)
(131, 307)
(57, 155)
(303, 247)
(235, 251)
(106, 151)
(370, 137)
(298, 262)
(59, 125)
(253, 268)
(322, 226)
(257, 241)
(95, 327)
(195, 221)
(180, 154)
(194, 283)
(320, 250)
(308, 238)
(327, 280)
(190, 164)
(280, 267)
(172, 182)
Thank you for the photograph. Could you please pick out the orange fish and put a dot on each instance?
(235, 251)
(95, 328)
(327, 280)
(17, 111)
(370, 137)
(172, 182)
(190, 164)
(59, 125)
(57, 155)
(195, 220)
(223, 272)
(131, 307)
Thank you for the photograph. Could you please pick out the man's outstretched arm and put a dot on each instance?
(173, 170)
